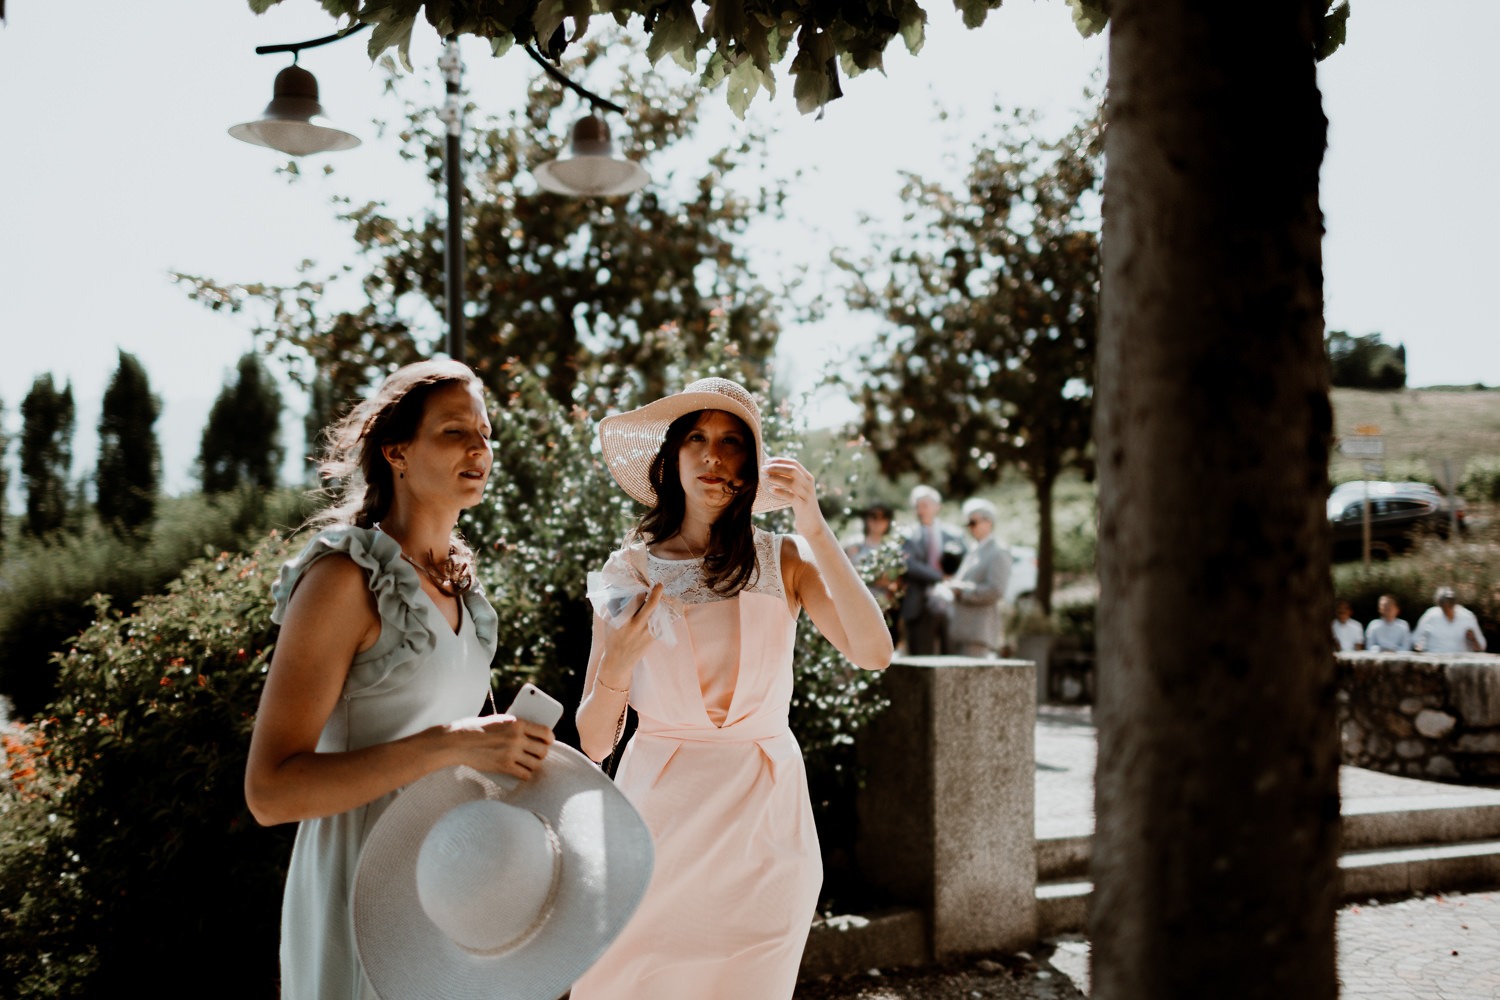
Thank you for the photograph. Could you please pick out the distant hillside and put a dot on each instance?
(1416, 423)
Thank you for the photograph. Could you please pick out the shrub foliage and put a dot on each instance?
(128, 852)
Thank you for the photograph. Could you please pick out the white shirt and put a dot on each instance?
(1436, 634)
(1389, 637)
(1348, 636)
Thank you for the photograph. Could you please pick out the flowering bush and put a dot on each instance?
(126, 850)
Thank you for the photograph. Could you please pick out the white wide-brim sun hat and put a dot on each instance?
(478, 886)
(630, 440)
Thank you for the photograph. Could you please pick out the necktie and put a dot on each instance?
(934, 547)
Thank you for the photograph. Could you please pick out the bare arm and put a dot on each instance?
(331, 618)
(613, 656)
(829, 587)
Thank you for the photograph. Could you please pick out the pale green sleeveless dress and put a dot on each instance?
(419, 673)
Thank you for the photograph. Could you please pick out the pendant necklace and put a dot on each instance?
(436, 582)
(488, 689)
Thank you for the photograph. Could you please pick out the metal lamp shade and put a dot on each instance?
(291, 120)
(592, 168)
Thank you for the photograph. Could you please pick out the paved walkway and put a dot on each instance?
(1427, 948)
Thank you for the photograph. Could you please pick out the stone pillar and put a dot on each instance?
(947, 815)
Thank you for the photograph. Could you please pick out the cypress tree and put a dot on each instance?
(129, 473)
(242, 441)
(47, 419)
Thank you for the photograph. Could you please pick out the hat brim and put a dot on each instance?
(630, 441)
(606, 863)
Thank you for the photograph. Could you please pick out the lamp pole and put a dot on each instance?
(452, 115)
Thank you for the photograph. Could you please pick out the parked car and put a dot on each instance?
(1397, 511)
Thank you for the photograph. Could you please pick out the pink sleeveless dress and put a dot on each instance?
(719, 778)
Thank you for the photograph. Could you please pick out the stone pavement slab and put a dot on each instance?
(1066, 745)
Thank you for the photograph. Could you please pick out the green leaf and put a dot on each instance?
(913, 27)
(261, 6)
(814, 71)
(975, 11)
(744, 83)
(548, 15)
(1089, 16)
(1334, 29)
(393, 32)
(676, 31)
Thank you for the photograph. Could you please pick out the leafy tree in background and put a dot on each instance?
(129, 472)
(242, 441)
(47, 420)
(1365, 362)
(992, 294)
(592, 294)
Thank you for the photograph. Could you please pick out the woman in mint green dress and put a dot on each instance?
(383, 659)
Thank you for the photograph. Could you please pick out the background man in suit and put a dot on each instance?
(923, 609)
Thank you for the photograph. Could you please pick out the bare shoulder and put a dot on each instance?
(334, 585)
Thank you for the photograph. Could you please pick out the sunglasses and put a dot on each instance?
(976, 520)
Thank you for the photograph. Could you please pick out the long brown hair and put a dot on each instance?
(354, 459)
(729, 559)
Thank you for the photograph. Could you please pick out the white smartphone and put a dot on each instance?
(535, 705)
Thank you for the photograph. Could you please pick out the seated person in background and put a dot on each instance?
(1447, 628)
(1348, 635)
(1388, 634)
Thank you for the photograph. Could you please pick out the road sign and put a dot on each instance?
(1363, 446)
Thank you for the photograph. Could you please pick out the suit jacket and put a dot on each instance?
(978, 590)
(920, 576)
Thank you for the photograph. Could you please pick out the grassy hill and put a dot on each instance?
(1417, 423)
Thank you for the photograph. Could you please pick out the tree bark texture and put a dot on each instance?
(1217, 785)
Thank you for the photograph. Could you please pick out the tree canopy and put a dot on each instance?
(992, 296)
(731, 44)
(1365, 362)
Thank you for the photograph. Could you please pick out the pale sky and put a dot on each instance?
(116, 169)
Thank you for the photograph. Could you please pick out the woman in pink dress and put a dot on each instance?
(695, 621)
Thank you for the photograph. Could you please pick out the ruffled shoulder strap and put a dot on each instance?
(407, 633)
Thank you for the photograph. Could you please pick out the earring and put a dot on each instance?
(402, 474)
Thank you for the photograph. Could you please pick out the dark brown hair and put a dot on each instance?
(354, 460)
(729, 559)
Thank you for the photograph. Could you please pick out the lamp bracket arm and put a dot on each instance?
(296, 47)
(562, 78)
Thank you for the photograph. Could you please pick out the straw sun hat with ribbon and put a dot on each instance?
(631, 440)
(480, 886)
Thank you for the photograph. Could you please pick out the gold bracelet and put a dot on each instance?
(600, 681)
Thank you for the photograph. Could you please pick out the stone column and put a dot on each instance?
(947, 816)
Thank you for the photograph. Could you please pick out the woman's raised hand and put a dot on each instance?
(626, 644)
(788, 479)
(499, 744)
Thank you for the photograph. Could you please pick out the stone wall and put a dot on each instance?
(1434, 716)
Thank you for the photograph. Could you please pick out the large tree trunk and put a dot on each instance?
(1217, 796)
